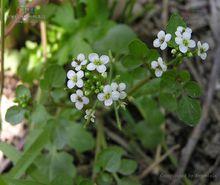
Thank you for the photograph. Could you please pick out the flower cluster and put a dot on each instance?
(182, 48)
(88, 79)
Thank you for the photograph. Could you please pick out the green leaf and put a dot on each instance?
(168, 101)
(11, 181)
(152, 55)
(11, 152)
(127, 167)
(15, 115)
(79, 138)
(189, 110)
(39, 115)
(2, 181)
(174, 21)
(104, 179)
(86, 182)
(56, 164)
(131, 62)
(149, 135)
(138, 49)
(117, 40)
(149, 110)
(110, 159)
(30, 154)
(193, 89)
(22, 91)
(54, 76)
(64, 16)
(128, 181)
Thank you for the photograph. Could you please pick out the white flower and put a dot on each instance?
(161, 41)
(159, 66)
(79, 99)
(181, 30)
(75, 79)
(90, 115)
(79, 62)
(97, 63)
(118, 91)
(106, 96)
(185, 42)
(202, 49)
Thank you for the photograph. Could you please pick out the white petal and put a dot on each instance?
(186, 35)
(91, 66)
(168, 37)
(178, 40)
(205, 46)
(180, 28)
(107, 89)
(115, 95)
(156, 43)
(192, 44)
(160, 61)
(188, 30)
(74, 64)
(80, 74)
(101, 68)
(100, 96)
(164, 67)
(154, 64)
(78, 68)
(79, 83)
(84, 62)
(70, 74)
(79, 93)
(114, 86)
(203, 56)
(123, 95)
(104, 59)
(70, 84)
(93, 57)
(108, 102)
(73, 98)
(122, 86)
(163, 46)
(199, 44)
(178, 34)
(158, 72)
(85, 100)
(183, 48)
(79, 105)
(161, 34)
(81, 57)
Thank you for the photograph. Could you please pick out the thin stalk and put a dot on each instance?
(117, 116)
(2, 52)
(138, 86)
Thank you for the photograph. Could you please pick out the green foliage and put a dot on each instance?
(54, 77)
(174, 21)
(110, 159)
(15, 115)
(127, 167)
(57, 144)
(189, 110)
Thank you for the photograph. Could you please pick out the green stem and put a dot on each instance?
(117, 116)
(138, 86)
(2, 52)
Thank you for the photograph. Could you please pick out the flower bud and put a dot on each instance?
(189, 54)
(173, 51)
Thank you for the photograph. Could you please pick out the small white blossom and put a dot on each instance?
(75, 79)
(185, 42)
(79, 99)
(181, 31)
(202, 49)
(97, 63)
(118, 91)
(106, 96)
(79, 62)
(159, 66)
(90, 115)
(161, 41)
